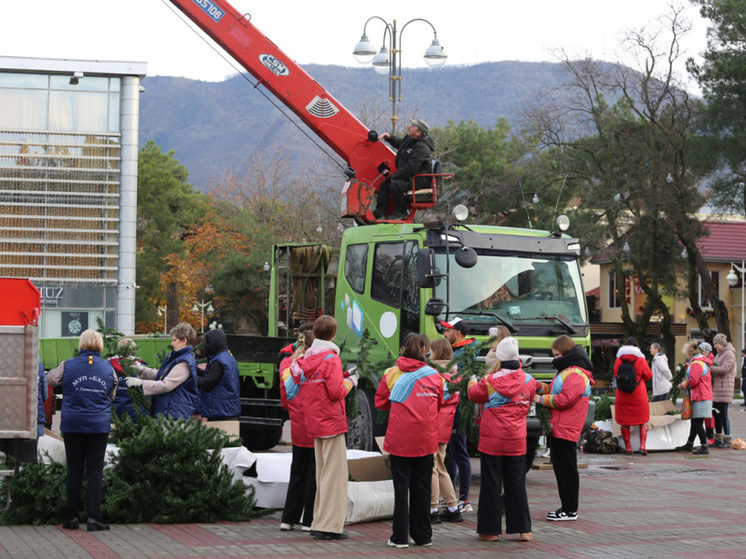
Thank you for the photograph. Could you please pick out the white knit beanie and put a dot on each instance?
(507, 349)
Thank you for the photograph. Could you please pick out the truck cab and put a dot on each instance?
(391, 279)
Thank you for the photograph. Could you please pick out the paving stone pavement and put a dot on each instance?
(666, 504)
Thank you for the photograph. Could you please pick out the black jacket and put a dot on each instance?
(414, 157)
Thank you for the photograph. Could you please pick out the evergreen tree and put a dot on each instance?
(721, 76)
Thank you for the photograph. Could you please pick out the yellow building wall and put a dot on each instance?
(730, 296)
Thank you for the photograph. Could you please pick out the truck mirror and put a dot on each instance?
(466, 257)
(434, 307)
(425, 268)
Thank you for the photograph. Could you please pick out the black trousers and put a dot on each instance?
(301, 493)
(85, 455)
(697, 429)
(722, 422)
(412, 478)
(565, 464)
(393, 190)
(498, 473)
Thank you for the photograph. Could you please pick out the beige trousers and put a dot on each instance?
(330, 507)
(441, 484)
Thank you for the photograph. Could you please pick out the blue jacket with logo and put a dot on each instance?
(225, 399)
(183, 400)
(87, 384)
(41, 417)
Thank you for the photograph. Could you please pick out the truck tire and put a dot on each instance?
(531, 445)
(255, 439)
(360, 429)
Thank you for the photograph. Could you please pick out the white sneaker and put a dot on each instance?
(306, 529)
(397, 545)
(465, 506)
(285, 527)
(560, 515)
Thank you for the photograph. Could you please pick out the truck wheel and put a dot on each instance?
(531, 444)
(260, 440)
(360, 428)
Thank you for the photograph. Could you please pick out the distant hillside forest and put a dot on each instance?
(214, 127)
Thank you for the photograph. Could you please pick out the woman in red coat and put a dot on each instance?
(412, 392)
(507, 393)
(301, 494)
(631, 408)
(323, 388)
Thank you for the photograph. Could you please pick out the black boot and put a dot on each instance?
(704, 449)
(685, 447)
(96, 526)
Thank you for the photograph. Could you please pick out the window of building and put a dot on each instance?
(59, 178)
(703, 301)
(615, 295)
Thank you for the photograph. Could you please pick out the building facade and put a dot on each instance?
(723, 250)
(68, 187)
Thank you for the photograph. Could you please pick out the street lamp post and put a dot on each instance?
(200, 306)
(163, 311)
(388, 58)
(732, 280)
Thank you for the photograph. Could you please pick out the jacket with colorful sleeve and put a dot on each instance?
(412, 391)
(323, 389)
(699, 378)
(290, 400)
(450, 402)
(507, 396)
(569, 394)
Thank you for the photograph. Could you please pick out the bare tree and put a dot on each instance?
(623, 135)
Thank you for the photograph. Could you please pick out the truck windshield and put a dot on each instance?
(516, 288)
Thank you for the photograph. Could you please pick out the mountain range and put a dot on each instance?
(215, 127)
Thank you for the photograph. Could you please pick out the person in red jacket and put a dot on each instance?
(290, 349)
(412, 392)
(567, 399)
(441, 354)
(507, 393)
(631, 408)
(322, 397)
(699, 383)
(301, 493)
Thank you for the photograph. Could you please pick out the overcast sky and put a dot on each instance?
(326, 31)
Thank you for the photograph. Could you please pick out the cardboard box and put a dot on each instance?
(368, 466)
(368, 495)
(665, 432)
(230, 428)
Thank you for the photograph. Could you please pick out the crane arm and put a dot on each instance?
(368, 159)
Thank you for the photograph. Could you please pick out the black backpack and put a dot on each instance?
(626, 377)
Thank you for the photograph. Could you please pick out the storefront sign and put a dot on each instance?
(73, 323)
(51, 296)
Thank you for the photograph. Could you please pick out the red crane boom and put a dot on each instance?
(368, 160)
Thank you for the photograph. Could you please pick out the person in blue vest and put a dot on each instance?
(219, 385)
(88, 388)
(41, 416)
(174, 386)
(123, 405)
